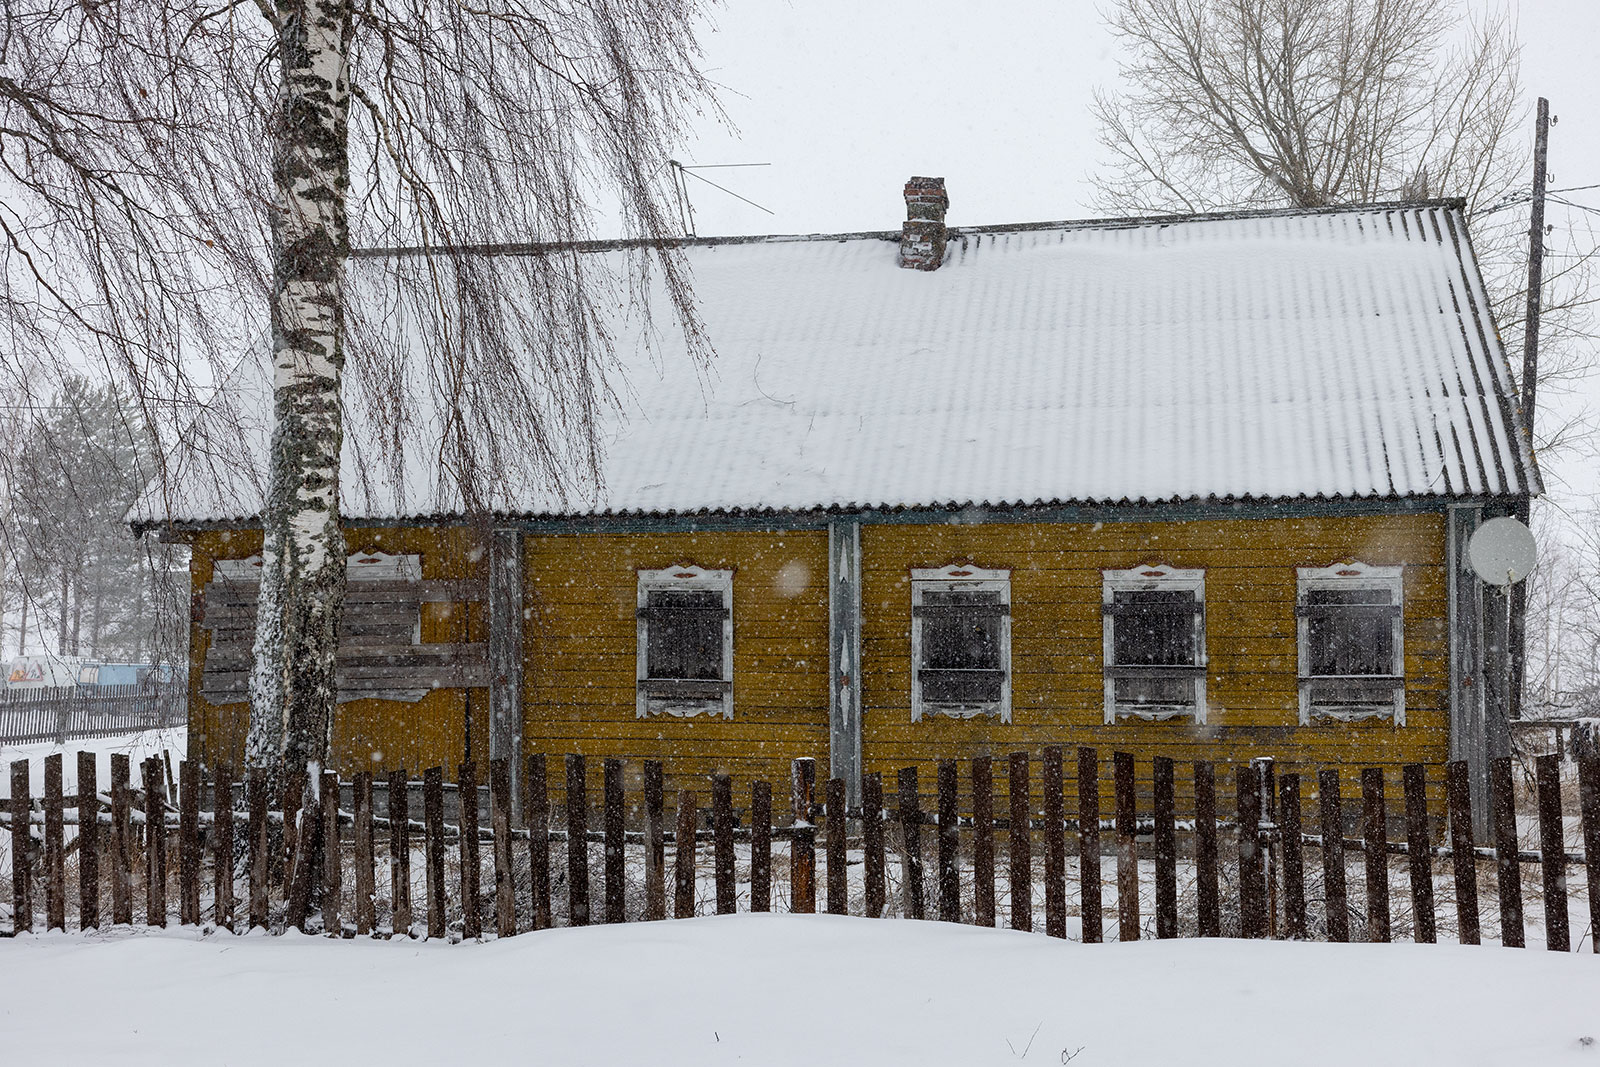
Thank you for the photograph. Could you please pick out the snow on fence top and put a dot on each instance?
(1278, 355)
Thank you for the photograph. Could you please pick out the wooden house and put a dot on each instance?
(1198, 486)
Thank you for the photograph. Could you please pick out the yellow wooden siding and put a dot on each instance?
(1056, 646)
(580, 647)
(375, 735)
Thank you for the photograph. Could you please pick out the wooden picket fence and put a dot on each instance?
(294, 876)
(75, 712)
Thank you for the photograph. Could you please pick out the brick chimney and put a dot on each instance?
(923, 235)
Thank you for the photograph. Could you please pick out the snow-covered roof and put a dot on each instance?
(1342, 353)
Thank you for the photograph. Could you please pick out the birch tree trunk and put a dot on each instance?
(293, 691)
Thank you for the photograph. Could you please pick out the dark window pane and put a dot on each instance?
(1350, 640)
(1158, 691)
(958, 641)
(1156, 629)
(684, 634)
(962, 687)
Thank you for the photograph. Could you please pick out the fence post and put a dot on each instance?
(399, 853)
(88, 842)
(1266, 769)
(1374, 843)
(259, 837)
(1589, 805)
(1458, 793)
(872, 872)
(577, 841)
(1252, 887)
(1166, 848)
(293, 795)
(433, 845)
(982, 841)
(222, 846)
(615, 829)
(803, 845)
(760, 846)
(949, 844)
(505, 898)
(910, 844)
(683, 858)
(1019, 847)
(189, 843)
(537, 814)
(655, 853)
(21, 850)
(467, 818)
(1508, 882)
(365, 858)
(1552, 853)
(838, 825)
(1127, 847)
(55, 886)
(1055, 844)
(155, 849)
(1331, 813)
(1089, 842)
(722, 844)
(1419, 847)
(1294, 858)
(121, 841)
(1208, 916)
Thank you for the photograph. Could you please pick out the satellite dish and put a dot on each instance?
(1501, 551)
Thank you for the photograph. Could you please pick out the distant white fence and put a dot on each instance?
(60, 714)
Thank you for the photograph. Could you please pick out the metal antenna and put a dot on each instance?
(686, 206)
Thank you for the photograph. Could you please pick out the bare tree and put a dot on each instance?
(183, 178)
(1311, 103)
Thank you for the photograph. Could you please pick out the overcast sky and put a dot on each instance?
(846, 100)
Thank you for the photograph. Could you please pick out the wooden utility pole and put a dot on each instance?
(1517, 637)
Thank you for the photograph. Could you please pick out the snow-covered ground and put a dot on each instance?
(779, 989)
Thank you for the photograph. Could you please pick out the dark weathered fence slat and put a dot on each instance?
(983, 911)
(256, 789)
(89, 837)
(803, 845)
(655, 853)
(683, 858)
(1208, 917)
(1418, 842)
(1019, 850)
(838, 830)
(872, 873)
(505, 897)
(222, 846)
(1166, 847)
(189, 843)
(1089, 842)
(910, 844)
(722, 844)
(1055, 843)
(1374, 839)
(55, 874)
(1127, 847)
(1252, 885)
(1331, 812)
(155, 846)
(577, 841)
(399, 854)
(1458, 798)
(1508, 880)
(761, 846)
(21, 848)
(467, 816)
(433, 846)
(615, 828)
(949, 844)
(1294, 858)
(1547, 778)
(537, 811)
(121, 840)
(366, 888)
(332, 857)
(1589, 807)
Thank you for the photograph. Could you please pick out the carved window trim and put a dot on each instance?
(683, 698)
(1153, 576)
(956, 577)
(1388, 690)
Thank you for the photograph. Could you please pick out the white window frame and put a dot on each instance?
(685, 576)
(1352, 575)
(952, 578)
(1134, 579)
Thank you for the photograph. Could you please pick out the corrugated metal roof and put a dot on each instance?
(1346, 353)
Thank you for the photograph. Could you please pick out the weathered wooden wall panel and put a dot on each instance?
(579, 665)
(367, 733)
(1251, 644)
